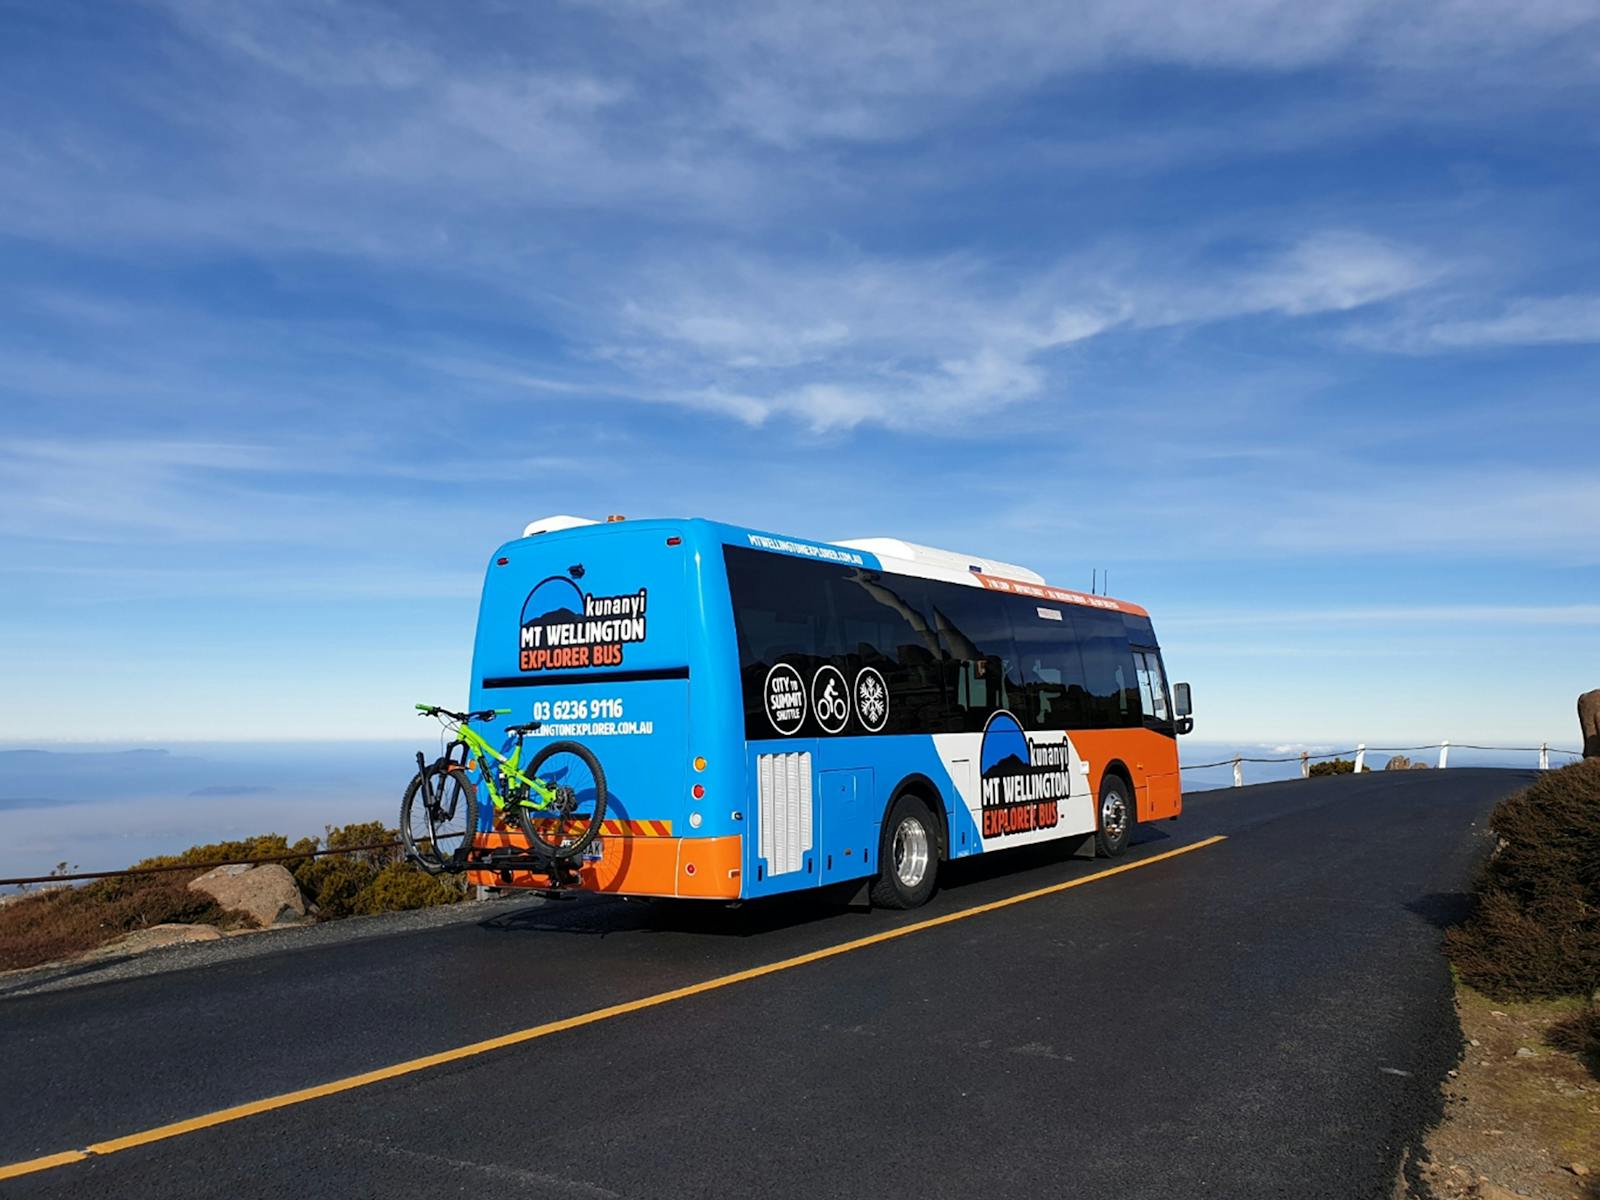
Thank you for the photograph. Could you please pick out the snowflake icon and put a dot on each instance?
(872, 699)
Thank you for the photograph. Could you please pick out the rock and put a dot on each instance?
(1475, 1042)
(1589, 722)
(1495, 1012)
(155, 937)
(1578, 1169)
(1493, 1191)
(1524, 1052)
(267, 892)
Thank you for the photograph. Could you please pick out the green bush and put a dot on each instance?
(1535, 931)
(265, 845)
(402, 886)
(1333, 766)
(333, 882)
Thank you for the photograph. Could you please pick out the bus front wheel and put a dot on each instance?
(1114, 828)
(908, 856)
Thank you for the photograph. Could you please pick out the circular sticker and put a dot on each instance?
(785, 694)
(830, 699)
(872, 699)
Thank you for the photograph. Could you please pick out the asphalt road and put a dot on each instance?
(1265, 1016)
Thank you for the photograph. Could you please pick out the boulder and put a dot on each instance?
(1589, 722)
(155, 937)
(267, 892)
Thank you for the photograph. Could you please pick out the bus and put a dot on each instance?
(774, 713)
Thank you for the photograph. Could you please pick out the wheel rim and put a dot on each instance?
(1114, 816)
(910, 852)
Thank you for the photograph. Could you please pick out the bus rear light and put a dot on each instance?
(698, 791)
(699, 763)
(688, 868)
(694, 820)
(500, 562)
(674, 541)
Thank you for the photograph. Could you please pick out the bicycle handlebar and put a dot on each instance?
(487, 714)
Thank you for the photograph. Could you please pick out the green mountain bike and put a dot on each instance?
(558, 800)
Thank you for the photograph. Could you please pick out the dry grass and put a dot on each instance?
(59, 923)
(62, 922)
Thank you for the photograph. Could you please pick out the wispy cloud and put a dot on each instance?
(938, 344)
(1526, 321)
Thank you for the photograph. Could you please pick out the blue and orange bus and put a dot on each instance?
(774, 713)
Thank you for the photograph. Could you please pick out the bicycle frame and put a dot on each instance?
(473, 743)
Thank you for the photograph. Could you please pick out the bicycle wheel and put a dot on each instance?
(565, 829)
(437, 834)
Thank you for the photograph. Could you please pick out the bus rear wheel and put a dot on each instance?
(908, 856)
(1114, 828)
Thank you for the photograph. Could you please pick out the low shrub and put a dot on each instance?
(333, 882)
(402, 886)
(1535, 930)
(66, 921)
(1333, 766)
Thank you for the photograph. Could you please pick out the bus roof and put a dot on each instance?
(891, 555)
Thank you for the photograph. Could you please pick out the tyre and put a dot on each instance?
(437, 834)
(1115, 817)
(565, 830)
(908, 856)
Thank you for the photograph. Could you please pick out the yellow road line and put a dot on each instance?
(238, 1112)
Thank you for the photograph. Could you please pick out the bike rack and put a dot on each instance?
(503, 860)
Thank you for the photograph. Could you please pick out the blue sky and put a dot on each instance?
(1288, 317)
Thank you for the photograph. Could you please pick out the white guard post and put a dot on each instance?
(1544, 756)
(1361, 758)
(1305, 764)
(1444, 754)
(1238, 774)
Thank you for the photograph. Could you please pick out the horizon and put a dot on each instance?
(1290, 326)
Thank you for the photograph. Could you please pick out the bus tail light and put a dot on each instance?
(699, 763)
(698, 791)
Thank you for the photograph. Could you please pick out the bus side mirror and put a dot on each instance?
(1182, 705)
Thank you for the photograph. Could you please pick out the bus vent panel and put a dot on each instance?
(785, 810)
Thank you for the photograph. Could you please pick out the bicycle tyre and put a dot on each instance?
(572, 834)
(420, 832)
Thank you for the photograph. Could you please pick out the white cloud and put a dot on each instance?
(936, 344)
(1529, 321)
(879, 71)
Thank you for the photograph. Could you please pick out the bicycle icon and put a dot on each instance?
(830, 699)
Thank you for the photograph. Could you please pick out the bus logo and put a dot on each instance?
(786, 699)
(1024, 781)
(830, 699)
(563, 626)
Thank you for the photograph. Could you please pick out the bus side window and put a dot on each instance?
(1152, 687)
(975, 643)
(1051, 667)
(1111, 691)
